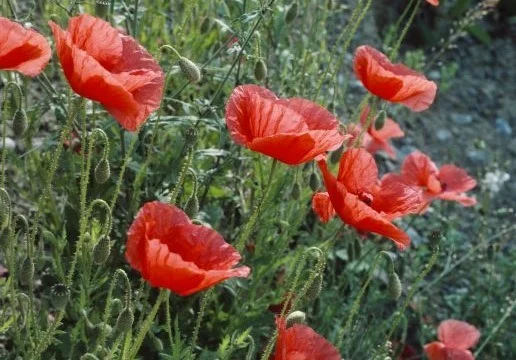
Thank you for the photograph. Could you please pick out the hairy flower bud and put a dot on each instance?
(314, 182)
(291, 13)
(296, 317)
(189, 69)
(380, 120)
(394, 285)
(125, 320)
(20, 123)
(192, 206)
(296, 191)
(59, 295)
(5, 208)
(101, 250)
(102, 171)
(260, 70)
(101, 8)
(191, 136)
(315, 288)
(27, 271)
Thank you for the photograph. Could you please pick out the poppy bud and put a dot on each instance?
(20, 123)
(102, 171)
(59, 296)
(315, 288)
(89, 356)
(314, 182)
(27, 271)
(296, 317)
(394, 285)
(101, 8)
(336, 155)
(380, 120)
(260, 70)
(435, 238)
(291, 13)
(124, 321)
(205, 25)
(329, 5)
(192, 206)
(190, 136)
(296, 191)
(101, 250)
(190, 70)
(5, 206)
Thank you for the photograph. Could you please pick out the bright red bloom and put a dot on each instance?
(393, 82)
(375, 140)
(456, 337)
(447, 183)
(170, 252)
(23, 50)
(292, 131)
(104, 65)
(363, 203)
(321, 205)
(300, 342)
(433, 2)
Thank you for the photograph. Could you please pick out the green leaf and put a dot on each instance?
(6, 325)
(481, 34)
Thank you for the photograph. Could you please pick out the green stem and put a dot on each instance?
(181, 177)
(198, 321)
(394, 52)
(135, 18)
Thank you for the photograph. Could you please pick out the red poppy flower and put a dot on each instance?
(375, 140)
(103, 65)
(433, 2)
(171, 252)
(363, 203)
(393, 82)
(292, 131)
(321, 205)
(300, 342)
(23, 50)
(456, 337)
(447, 183)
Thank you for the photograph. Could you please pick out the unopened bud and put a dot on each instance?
(189, 69)
(260, 70)
(101, 8)
(191, 136)
(192, 206)
(5, 206)
(27, 271)
(291, 13)
(296, 317)
(314, 182)
(335, 156)
(380, 120)
(315, 288)
(20, 123)
(59, 296)
(296, 191)
(102, 171)
(394, 285)
(101, 250)
(125, 320)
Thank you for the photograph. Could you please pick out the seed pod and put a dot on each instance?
(315, 288)
(189, 69)
(101, 250)
(314, 182)
(192, 206)
(59, 295)
(380, 120)
(260, 70)
(27, 271)
(89, 356)
(205, 25)
(335, 156)
(102, 171)
(191, 136)
(20, 123)
(296, 191)
(296, 317)
(101, 8)
(291, 13)
(394, 285)
(125, 320)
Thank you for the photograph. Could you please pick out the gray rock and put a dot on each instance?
(503, 127)
(10, 144)
(462, 119)
(443, 134)
(478, 157)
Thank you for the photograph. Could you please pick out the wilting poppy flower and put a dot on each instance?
(321, 205)
(292, 131)
(364, 204)
(23, 50)
(456, 337)
(393, 82)
(300, 342)
(447, 183)
(375, 140)
(104, 65)
(170, 252)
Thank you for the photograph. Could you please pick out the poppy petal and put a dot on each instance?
(458, 354)
(433, 2)
(436, 351)
(358, 171)
(458, 334)
(274, 146)
(456, 179)
(460, 198)
(417, 169)
(23, 50)
(321, 205)
(397, 199)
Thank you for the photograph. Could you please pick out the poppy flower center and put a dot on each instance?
(366, 198)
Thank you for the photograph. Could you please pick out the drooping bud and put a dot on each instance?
(296, 191)
(125, 320)
(5, 208)
(27, 271)
(296, 317)
(335, 156)
(101, 250)
(260, 70)
(102, 171)
(191, 136)
(291, 13)
(314, 182)
(20, 123)
(394, 285)
(192, 206)
(101, 8)
(380, 120)
(315, 288)
(189, 69)
(59, 296)
(205, 25)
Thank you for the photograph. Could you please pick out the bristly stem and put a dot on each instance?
(135, 18)
(198, 321)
